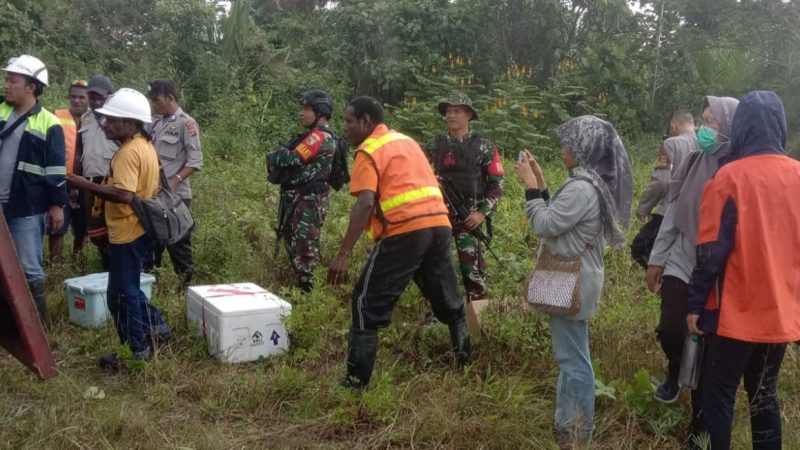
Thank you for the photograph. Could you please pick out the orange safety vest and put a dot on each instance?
(407, 187)
(70, 137)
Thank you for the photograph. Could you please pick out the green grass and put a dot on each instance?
(186, 399)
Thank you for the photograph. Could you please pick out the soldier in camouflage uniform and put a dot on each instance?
(302, 167)
(473, 165)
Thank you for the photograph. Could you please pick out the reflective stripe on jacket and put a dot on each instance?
(407, 187)
(38, 181)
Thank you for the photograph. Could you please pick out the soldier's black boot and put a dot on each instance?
(459, 336)
(363, 345)
(39, 294)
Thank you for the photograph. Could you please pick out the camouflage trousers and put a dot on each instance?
(306, 215)
(471, 263)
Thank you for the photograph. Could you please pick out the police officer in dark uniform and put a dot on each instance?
(302, 167)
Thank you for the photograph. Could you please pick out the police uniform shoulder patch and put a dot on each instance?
(191, 127)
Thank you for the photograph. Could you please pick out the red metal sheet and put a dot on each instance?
(21, 333)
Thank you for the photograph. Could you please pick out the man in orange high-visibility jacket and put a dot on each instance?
(744, 293)
(401, 207)
(70, 119)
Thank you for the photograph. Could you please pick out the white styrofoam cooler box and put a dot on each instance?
(86, 298)
(241, 321)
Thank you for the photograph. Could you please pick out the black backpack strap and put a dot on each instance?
(693, 157)
(336, 139)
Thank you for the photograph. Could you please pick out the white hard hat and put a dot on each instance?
(28, 65)
(127, 103)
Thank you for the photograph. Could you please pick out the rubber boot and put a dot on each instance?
(363, 345)
(39, 294)
(186, 280)
(459, 336)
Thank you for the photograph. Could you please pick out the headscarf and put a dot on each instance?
(602, 161)
(687, 189)
(759, 125)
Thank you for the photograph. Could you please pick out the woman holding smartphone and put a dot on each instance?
(586, 213)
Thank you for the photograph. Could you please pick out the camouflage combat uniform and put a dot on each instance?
(304, 197)
(474, 165)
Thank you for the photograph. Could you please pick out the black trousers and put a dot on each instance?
(726, 362)
(180, 253)
(79, 221)
(94, 223)
(422, 255)
(671, 329)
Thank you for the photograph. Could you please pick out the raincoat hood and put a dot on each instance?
(759, 125)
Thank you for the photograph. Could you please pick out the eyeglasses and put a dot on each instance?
(81, 83)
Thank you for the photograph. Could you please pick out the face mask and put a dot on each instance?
(707, 139)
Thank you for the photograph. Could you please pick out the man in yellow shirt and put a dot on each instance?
(134, 172)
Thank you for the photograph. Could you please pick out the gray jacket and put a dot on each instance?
(673, 250)
(567, 224)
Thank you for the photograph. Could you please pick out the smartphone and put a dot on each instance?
(521, 156)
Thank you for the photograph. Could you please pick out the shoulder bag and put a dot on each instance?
(554, 284)
(165, 217)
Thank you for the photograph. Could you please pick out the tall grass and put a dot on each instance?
(505, 399)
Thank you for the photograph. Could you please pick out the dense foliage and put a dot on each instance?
(530, 63)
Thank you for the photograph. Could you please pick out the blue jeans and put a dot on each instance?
(134, 318)
(28, 234)
(575, 388)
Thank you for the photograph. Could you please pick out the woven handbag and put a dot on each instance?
(553, 286)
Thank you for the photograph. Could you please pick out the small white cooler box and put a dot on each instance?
(241, 321)
(86, 298)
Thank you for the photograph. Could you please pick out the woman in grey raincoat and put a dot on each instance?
(673, 256)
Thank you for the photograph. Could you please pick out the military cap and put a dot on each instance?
(457, 99)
